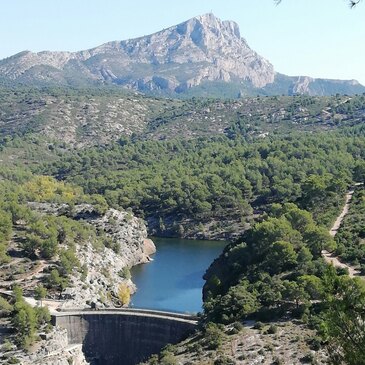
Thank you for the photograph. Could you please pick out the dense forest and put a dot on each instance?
(350, 238)
(213, 187)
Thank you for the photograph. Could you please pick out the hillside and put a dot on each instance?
(202, 56)
(207, 165)
(59, 249)
(86, 117)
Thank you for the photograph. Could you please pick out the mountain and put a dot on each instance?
(202, 56)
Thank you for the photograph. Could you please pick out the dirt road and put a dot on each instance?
(329, 257)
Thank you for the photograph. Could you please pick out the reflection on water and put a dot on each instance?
(173, 280)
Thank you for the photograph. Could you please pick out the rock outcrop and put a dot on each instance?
(54, 349)
(104, 267)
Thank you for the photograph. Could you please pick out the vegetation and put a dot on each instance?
(277, 267)
(190, 167)
(40, 293)
(218, 180)
(43, 235)
(351, 235)
(27, 320)
(343, 318)
(124, 294)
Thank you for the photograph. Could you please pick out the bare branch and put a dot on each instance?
(352, 3)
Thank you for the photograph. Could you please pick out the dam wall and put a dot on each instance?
(123, 337)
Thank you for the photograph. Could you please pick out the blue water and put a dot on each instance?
(173, 280)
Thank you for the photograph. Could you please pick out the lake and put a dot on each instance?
(173, 280)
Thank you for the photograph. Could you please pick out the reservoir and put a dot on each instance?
(173, 280)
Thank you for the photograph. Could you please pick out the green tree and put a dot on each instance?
(40, 292)
(345, 320)
(56, 281)
(318, 239)
(280, 256)
(294, 292)
(24, 320)
(359, 171)
(313, 285)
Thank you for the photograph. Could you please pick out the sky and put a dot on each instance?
(318, 38)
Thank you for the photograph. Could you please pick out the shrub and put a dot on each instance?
(168, 359)
(213, 336)
(278, 361)
(5, 307)
(124, 294)
(224, 360)
(272, 329)
(258, 325)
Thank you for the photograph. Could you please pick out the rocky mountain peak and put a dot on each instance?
(203, 51)
(226, 27)
(206, 31)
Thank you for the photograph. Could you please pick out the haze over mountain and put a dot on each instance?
(202, 56)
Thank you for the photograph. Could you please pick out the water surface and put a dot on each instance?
(173, 280)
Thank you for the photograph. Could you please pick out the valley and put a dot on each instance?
(225, 185)
(249, 184)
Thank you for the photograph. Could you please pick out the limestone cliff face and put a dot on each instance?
(104, 266)
(55, 349)
(203, 48)
(312, 86)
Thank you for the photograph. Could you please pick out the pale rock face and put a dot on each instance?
(105, 265)
(56, 350)
(301, 86)
(203, 48)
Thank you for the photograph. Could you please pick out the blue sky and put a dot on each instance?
(319, 38)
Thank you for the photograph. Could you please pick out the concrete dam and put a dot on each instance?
(123, 336)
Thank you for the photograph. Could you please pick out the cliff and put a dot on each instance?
(104, 267)
(54, 349)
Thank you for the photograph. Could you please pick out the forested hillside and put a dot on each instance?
(214, 187)
(88, 117)
(351, 236)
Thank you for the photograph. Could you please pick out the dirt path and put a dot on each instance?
(34, 274)
(329, 257)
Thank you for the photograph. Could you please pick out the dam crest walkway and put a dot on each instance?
(183, 317)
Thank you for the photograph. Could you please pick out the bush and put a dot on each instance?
(308, 359)
(13, 360)
(278, 361)
(5, 307)
(7, 345)
(43, 315)
(315, 343)
(238, 326)
(125, 273)
(124, 294)
(168, 359)
(258, 325)
(224, 360)
(213, 336)
(272, 329)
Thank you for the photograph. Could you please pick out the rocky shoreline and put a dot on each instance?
(103, 269)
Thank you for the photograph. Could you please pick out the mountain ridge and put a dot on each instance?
(203, 50)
